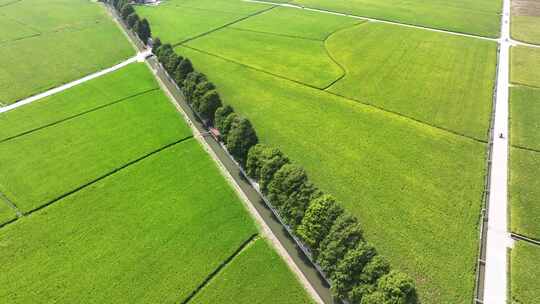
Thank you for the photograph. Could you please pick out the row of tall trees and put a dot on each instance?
(334, 237)
(132, 20)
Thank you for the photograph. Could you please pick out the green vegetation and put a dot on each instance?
(296, 23)
(386, 169)
(525, 66)
(302, 60)
(525, 111)
(129, 81)
(525, 273)
(75, 38)
(440, 79)
(525, 192)
(176, 21)
(481, 17)
(11, 30)
(256, 275)
(145, 232)
(58, 159)
(526, 28)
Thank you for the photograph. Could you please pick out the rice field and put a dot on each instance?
(525, 66)
(525, 21)
(53, 43)
(525, 273)
(121, 204)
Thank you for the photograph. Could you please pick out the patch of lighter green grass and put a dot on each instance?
(439, 79)
(524, 117)
(479, 17)
(526, 28)
(43, 165)
(175, 22)
(525, 192)
(150, 233)
(131, 80)
(415, 189)
(525, 272)
(33, 65)
(301, 60)
(256, 275)
(525, 66)
(297, 23)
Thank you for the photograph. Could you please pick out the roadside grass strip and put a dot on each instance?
(525, 66)
(41, 166)
(301, 60)
(147, 234)
(525, 117)
(479, 17)
(34, 65)
(297, 23)
(439, 79)
(525, 273)
(525, 192)
(130, 81)
(256, 275)
(414, 188)
(177, 21)
(525, 21)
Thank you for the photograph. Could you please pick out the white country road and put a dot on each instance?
(498, 237)
(139, 57)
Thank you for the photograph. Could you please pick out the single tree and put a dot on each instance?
(156, 45)
(126, 10)
(132, 19)
(190, 84)
(230, 120)
(318, 220)
(144, 31)
(171, 62)
(182, 70)
(274, 159)
(219, 119)
(393, 288)
(254, 161)
(344, 235)
(290, 192)
(208, 105)
(240, 138)
(350, 269)
(163, 52)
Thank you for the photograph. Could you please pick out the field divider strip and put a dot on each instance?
(114, 171)
(525, 148)
(228, 260)
(482, 141)
(529, 240)
(12, 205)
(520, 84)
(224, 26)
(128, 98)
(274, 34)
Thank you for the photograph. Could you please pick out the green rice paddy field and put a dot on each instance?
(149, 227)
(525, 273)
(395, 159)
(45, 44)
(479, 17)
(525, 140)
(525, 21)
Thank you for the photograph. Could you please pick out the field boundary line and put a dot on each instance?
(10, 204)
(403, 24)
(10, 3)
(353, 100)
(108, 174)
(243, 246)
(525, 148)
(224, 26)
(520, 237)
(331, 56)
(140, 56)
(519, 84)
(273, 34)
(126, 99)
